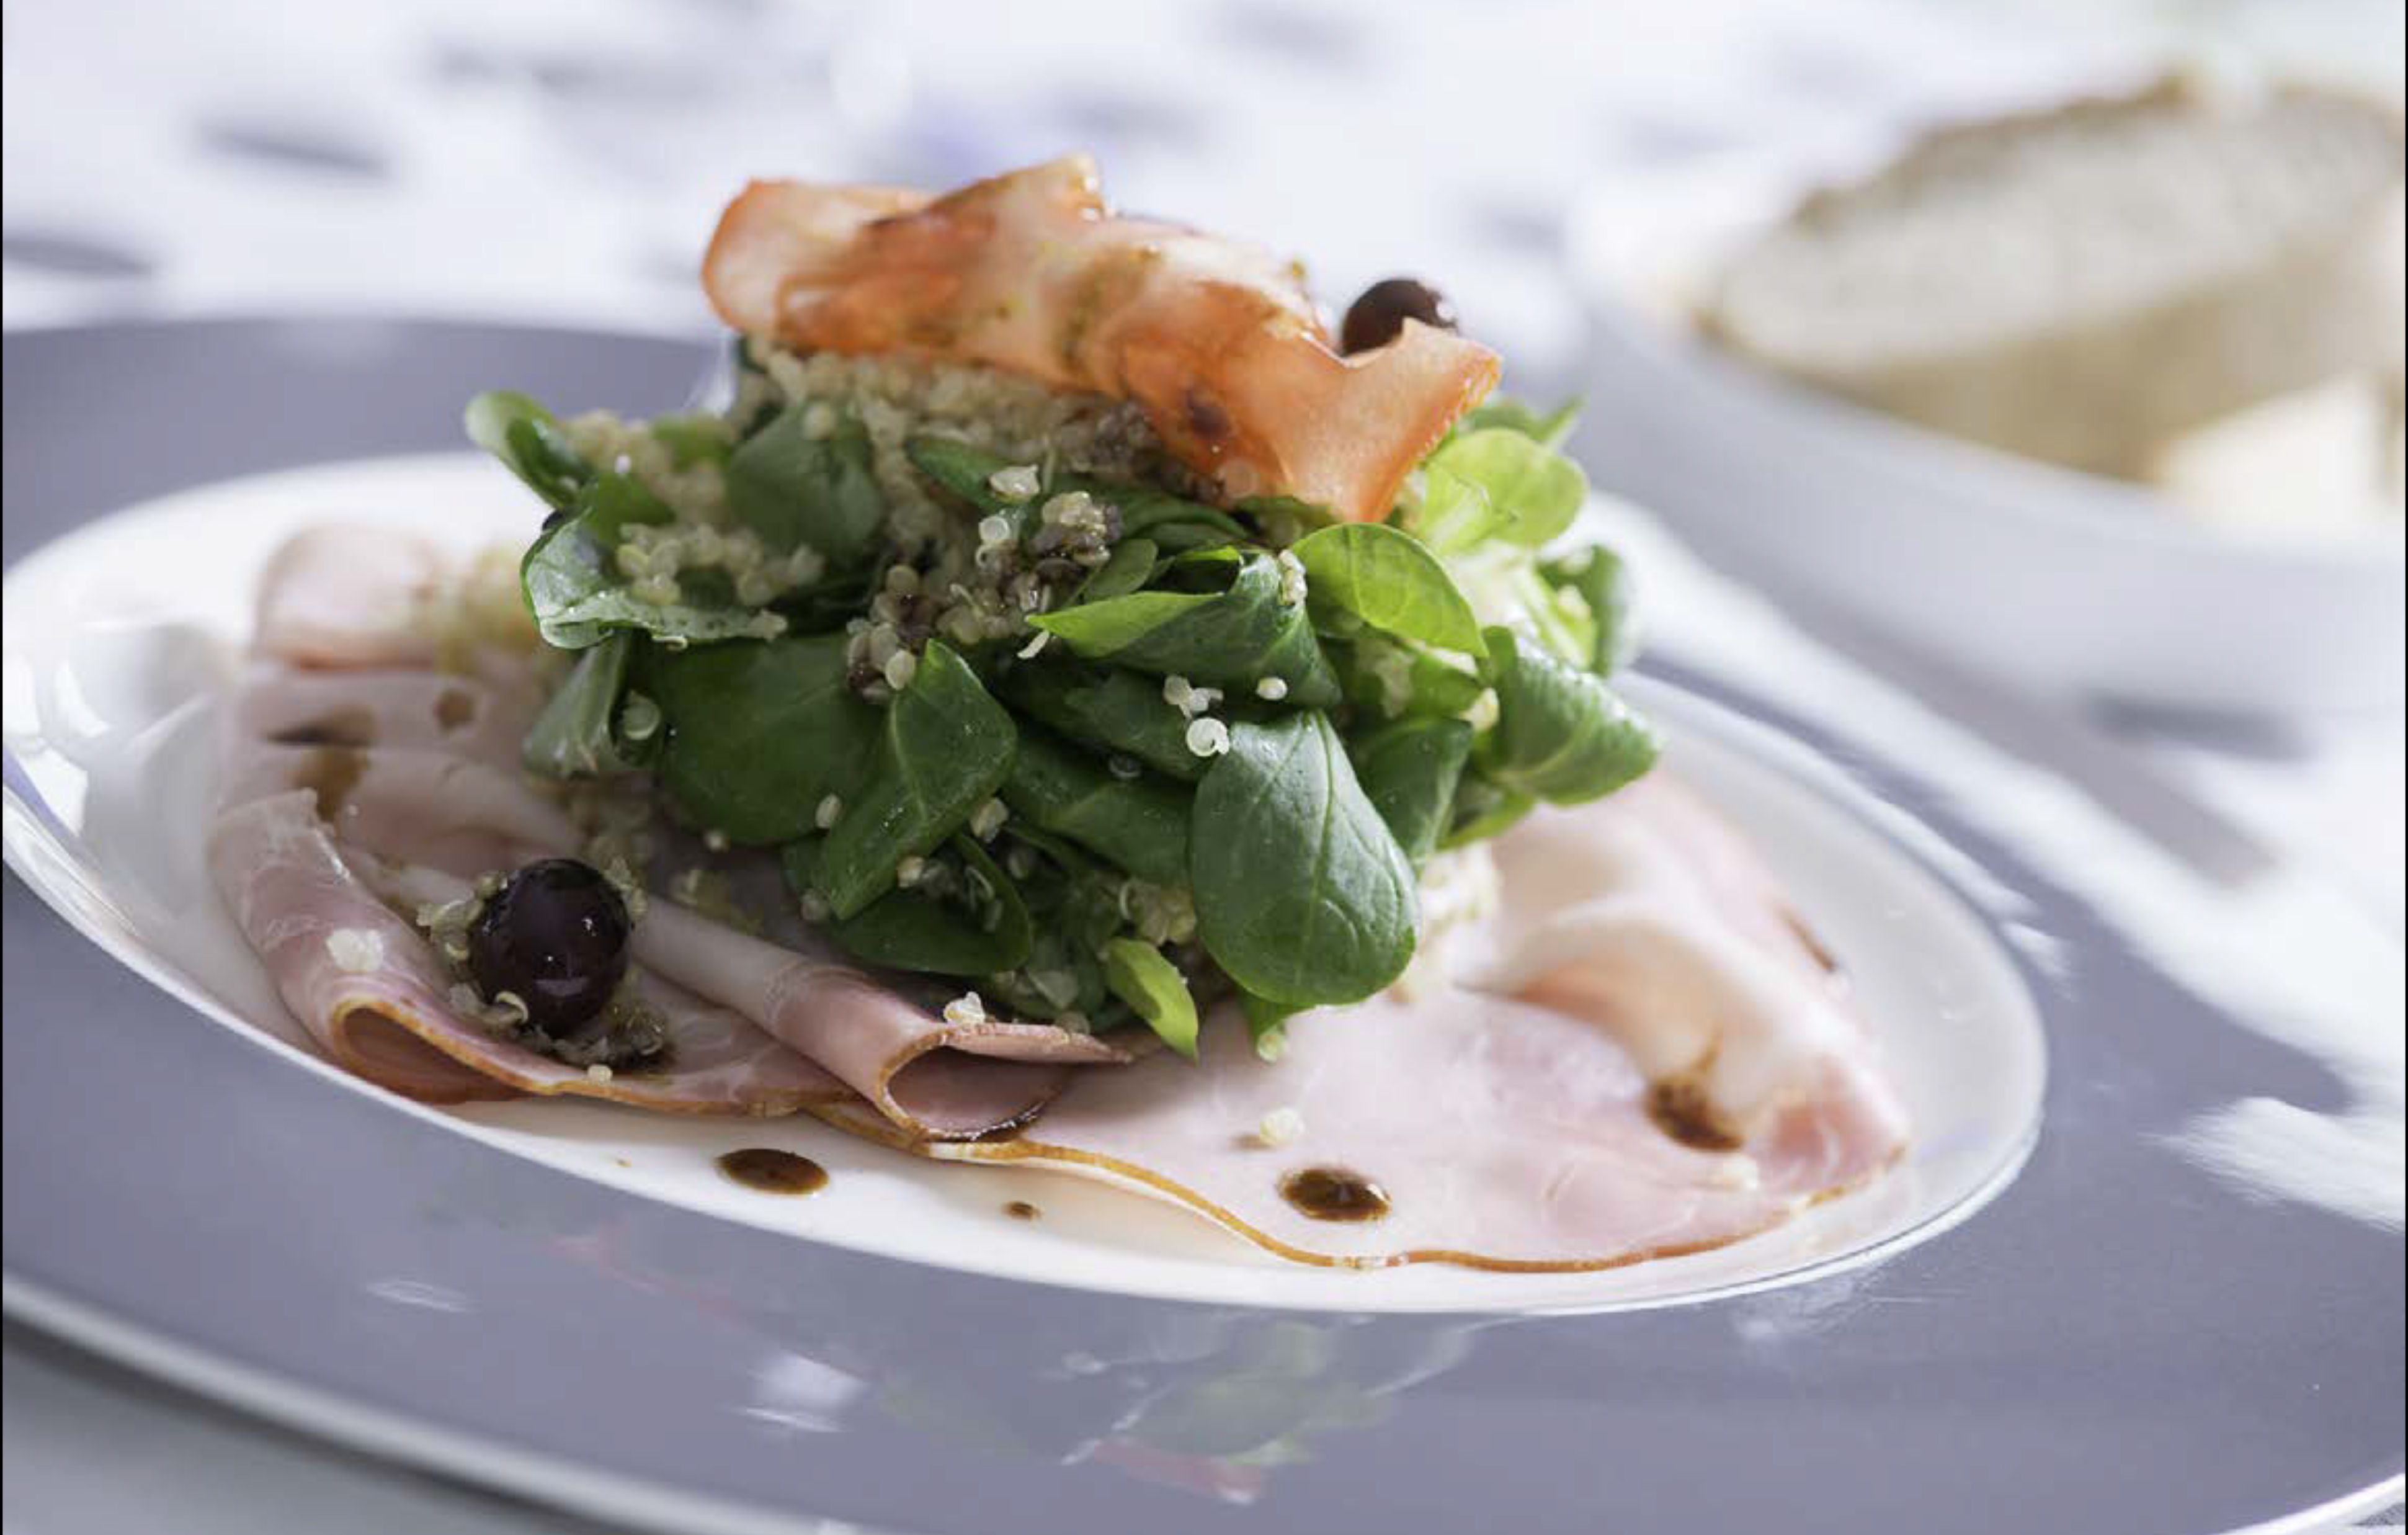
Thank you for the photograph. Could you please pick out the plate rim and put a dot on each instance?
(1756, 711)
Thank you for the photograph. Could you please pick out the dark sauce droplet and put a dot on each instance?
(1334, 1193)
(1021, 1209)
(331, 773)
(1813, 945)
(1680, 1108)
(343, 727)
(773, 1171)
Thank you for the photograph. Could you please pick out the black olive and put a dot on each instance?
(555, 936)
(1379, 316)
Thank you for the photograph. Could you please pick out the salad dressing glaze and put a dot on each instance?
(1334, 1193)
(773, 1171)
(331, 773)
(342, 727)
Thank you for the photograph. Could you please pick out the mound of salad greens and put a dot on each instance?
(1216, 767)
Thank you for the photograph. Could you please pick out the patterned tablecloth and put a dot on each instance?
(563, 159)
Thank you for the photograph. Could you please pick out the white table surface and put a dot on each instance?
(562, 159)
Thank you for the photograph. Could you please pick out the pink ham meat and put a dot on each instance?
(376, 997)
(411, 804)
(406, 780)
(344, 596)
(1651, 918)
(1218, 342)
(927, 1079)
(1528, 1131)
(466, 716)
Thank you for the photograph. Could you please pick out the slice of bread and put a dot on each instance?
(2081, 284)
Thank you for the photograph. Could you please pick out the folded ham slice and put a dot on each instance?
(1651, 918)
(372, 991)
(1679, 1070)
(942, 1080)
(1216, 341)
(353, 790)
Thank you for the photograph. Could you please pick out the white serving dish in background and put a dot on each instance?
(2062, 583)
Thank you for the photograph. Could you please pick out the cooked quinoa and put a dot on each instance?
(948, 575)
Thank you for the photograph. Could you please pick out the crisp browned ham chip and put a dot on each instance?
(1216, 341)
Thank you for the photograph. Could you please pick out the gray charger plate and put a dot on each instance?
(2120, 1344)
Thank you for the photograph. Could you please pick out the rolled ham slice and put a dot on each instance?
(1650, 917)
(1677, 1071)
(371, 990)
(929, 1078)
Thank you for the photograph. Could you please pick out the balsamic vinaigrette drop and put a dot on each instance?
(1021, 1209)
(773, 1171)
(1334, 1193)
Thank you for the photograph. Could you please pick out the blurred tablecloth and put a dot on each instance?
(564, 158)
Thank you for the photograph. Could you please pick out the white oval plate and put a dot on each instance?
(117, 661)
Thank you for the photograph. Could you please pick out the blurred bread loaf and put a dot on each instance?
(2083, 285)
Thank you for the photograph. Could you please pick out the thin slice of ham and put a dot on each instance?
(1501, 1134)
(1528, 1131)
(410, 804)
(1650, 917)
(929, 1078)
(344, 596)
(466, 716)
(372, 991)
(1216, 341)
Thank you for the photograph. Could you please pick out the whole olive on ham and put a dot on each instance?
(1379, 316)
(556, 937)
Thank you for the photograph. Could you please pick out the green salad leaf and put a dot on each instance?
(1127, 568)
(946, 748)
(692, 439)
(1389, 579)
(529, 442)
(1266, 1023)
(1548, 431)
(759, 733)
(577, 733)
(577, 594)
(1562, 735)
(1138, 974)
(1230, 638)
(1301, 893)
(1386, 679)
(1408, 769)
(1172, 522)
(1482, 809)
(965, 470)
(1106, 708)
(793, 488)
(1140, 823)
(1598, 576)
(984, 931)
(1496, 482)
